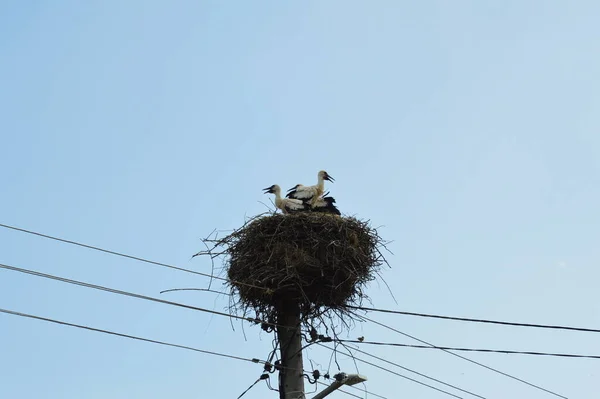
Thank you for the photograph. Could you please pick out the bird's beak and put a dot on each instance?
(329, 178)
(266, 190)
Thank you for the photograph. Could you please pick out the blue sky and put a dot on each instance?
(469, 130)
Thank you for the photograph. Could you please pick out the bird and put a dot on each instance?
(310, 193)
(324, 204)
(286, 205)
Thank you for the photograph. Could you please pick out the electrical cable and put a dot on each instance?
(396, 374)
(71, 242)
(125, 293)
(244, 318)
(130, 294)
(367, 392)
(462, 357)
(64, 323)
(342, 391)
(505, 323)
(79, 244)
(471, 349)
(413, 371)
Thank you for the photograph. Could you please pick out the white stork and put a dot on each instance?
(310, 193)
(287, 205)
(325, 205)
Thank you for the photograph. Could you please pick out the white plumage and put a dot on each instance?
(310, 194)
(286, 205)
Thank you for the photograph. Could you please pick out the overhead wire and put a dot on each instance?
(397, 374)
(470, 349)
(137, 258)
(163, 343)
(462, 357)
(64, 323)
(129, 294)
(125, 293)
(505, 323)
(145, 260)
(412, 371)
(259, 379)
(369, 393)
(137, 338)
(71, 242)
(342, 391)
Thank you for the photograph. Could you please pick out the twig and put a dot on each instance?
(194, 289)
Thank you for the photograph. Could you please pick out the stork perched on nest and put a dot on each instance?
(310, 194)
(287, 205)
(324, 204)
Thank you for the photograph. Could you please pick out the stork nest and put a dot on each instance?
(317, 260)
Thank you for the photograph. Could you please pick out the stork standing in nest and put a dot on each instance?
(286, 205)
(325, 204)
(310, 194)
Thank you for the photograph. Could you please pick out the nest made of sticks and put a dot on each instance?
(319, 261)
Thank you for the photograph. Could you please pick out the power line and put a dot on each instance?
(64, 323)
(350, 394)
(196, 308)
(115, 291)
(342, 391)
(505, 323)
(463, 357)
(140, 259)
(395, 373)
(130, 294)
(470, 349)
(415, 372)
(259, 379)
(125, 293)
(225, 355)
(79, 244)
(369, 393)
(133, 295)
(365, 391)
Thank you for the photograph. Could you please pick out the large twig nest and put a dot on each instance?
(319, 261)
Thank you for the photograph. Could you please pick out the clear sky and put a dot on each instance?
(468, 129)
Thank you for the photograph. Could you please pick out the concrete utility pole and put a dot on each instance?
(291, 378)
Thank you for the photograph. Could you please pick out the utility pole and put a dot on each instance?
(291, 375)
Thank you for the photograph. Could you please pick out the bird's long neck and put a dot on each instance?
(321, 184)
(278, 193)
(277, 196)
